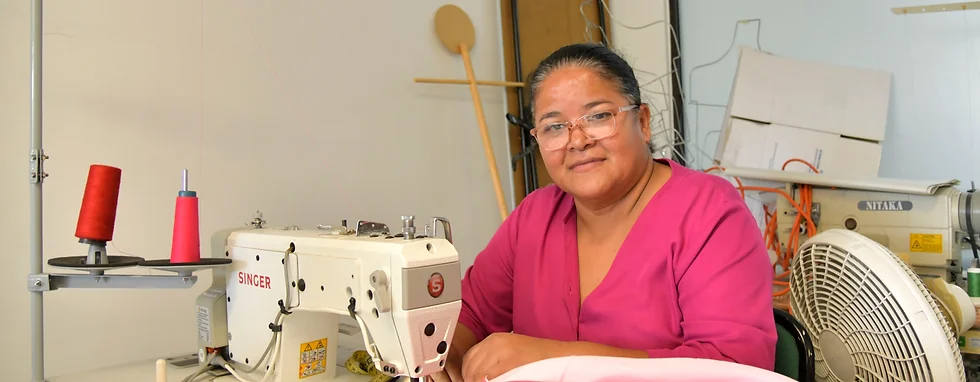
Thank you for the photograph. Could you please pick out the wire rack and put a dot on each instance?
(656, 88)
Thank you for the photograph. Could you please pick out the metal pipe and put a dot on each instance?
(530, 165)
(602, 23)
(676, 64)
(37, 181)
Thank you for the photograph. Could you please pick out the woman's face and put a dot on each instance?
(594, 170)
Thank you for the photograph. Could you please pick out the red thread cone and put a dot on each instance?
(97, 217)
(186, 247)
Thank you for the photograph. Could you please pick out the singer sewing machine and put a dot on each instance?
(276, 309)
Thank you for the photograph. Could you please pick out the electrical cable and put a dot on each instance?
(970, 233)
(692, 100)
(690, 123)
(803, 224)
(201, 370)
(659, 125)
(275, 344)
(528, 144)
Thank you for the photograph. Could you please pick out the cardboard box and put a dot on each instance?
(852, 102)
(780, 108)
(768, 146)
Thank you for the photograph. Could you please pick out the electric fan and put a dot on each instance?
(871, 317)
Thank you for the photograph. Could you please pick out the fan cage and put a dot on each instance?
(835, 294)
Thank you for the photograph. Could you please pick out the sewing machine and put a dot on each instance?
(280, 301)
(929, 225)
(928, 221)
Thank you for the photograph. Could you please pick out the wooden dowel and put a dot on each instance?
(948, 7)
(481, 120)
(509, 84)
(161, 370)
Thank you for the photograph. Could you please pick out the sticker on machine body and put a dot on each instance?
(928, 243)
(313, 358)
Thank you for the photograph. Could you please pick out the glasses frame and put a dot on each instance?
(577, 123)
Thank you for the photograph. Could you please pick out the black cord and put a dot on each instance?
(970, 233)
(528, 149)
(602, 23)
(530, 165)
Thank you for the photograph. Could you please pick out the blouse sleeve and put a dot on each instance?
(488, 284)
(725, 287)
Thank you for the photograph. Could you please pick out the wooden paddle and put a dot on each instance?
(456, 32)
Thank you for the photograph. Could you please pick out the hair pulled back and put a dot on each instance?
(598, 57)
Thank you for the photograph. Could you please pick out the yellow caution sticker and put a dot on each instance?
(921, 242)
(312, 358)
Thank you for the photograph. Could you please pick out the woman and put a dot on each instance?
(624, 255)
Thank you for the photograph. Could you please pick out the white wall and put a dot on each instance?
(305, 110)
(639, 30)
(932, 130)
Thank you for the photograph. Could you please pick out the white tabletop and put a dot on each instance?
(145, 371)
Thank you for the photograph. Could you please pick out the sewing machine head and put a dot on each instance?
(928, 225)
(288, 290)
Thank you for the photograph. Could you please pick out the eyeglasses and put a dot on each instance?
(595, 126)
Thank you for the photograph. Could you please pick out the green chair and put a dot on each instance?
(794, 349)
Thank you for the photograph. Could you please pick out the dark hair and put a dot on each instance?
(603, 60)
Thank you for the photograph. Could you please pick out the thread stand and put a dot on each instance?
(184, 270)
(46, 282)
(185, 256)
(97, 261)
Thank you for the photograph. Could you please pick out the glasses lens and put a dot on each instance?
(552, 137)
(594, 126)
(599, 125)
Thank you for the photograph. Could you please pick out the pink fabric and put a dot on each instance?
(691, 280)
(603, 369)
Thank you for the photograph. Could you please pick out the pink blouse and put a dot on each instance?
(692, 278)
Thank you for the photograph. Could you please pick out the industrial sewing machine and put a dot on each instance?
(274, 312)
(932, 222)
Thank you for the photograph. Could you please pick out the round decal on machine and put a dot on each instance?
(436, 284)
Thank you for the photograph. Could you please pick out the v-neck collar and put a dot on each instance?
(574, 303)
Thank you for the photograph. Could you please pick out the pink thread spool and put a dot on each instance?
(186, 245)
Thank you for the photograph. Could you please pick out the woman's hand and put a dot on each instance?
(502, 352)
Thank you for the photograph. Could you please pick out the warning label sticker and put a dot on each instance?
(204, 324)
(312, 358)
(931, 243)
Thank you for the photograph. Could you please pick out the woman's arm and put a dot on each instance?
(463, 341)
(488, 284)
(487, 292)
(566, 349)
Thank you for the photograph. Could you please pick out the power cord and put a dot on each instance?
(201, 370)
(970, 233)
(275, 344)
